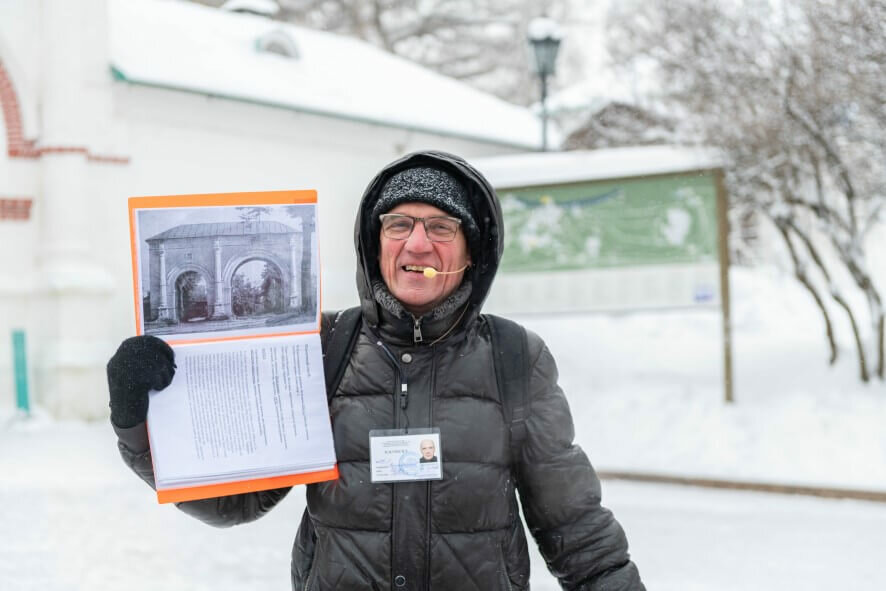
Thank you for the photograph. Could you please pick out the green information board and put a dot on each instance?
(601, 224)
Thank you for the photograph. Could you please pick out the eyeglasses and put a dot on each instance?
(398, 226)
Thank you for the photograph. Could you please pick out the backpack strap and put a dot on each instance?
(338, 333)
(511, 360)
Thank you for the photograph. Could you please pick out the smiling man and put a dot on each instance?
(425, 219)
(417, 237)
(429, 236)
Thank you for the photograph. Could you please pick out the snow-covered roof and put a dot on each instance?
(550, 168)
(223, 229)
(191, 47)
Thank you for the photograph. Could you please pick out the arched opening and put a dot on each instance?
(278, 41)
(257, 289)
(190, 297)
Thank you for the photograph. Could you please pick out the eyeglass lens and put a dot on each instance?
(437, 229)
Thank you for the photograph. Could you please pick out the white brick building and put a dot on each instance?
(106, 99)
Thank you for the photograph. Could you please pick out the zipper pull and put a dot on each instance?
(403, 395)
(416, 330)
(403, 387)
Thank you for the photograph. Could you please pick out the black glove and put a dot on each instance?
(140, 364)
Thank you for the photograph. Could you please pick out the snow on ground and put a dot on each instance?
(692, 539)
(646, 391)
(646, 394)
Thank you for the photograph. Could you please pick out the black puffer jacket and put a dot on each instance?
(462, 532)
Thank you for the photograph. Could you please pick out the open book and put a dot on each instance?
(231, 282)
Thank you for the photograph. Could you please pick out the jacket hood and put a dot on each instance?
(486, 251)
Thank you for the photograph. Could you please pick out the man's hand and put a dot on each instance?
(140, 364)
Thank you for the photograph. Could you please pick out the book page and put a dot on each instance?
(232, 282)
(256, 406)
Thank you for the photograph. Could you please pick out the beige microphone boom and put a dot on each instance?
(431, 272)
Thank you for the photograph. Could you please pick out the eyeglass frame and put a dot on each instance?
(424, 222)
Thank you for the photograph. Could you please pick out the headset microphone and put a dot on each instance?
(431, 272)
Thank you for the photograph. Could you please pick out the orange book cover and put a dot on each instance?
(232, 282)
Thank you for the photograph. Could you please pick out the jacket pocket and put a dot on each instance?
(503, 566)
(330, 575)
(310, 580)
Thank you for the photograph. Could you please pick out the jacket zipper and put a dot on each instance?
(433, 388)
(404, 382)
(416, 330)
(399, 410)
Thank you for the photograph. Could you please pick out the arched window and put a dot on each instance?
(257, 7)
(278, 41)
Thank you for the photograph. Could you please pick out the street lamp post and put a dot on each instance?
(544, 35)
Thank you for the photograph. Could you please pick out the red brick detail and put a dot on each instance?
(16, 144)
(19, 147)
(15, 208)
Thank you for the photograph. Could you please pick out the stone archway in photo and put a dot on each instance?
(214, 252)
(191, 303)
(176, 276)
(265, 296)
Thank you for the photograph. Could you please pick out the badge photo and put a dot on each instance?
(400, 455)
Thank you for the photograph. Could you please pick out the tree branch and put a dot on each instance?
(800, 274)
(838, 297)
(822, 141)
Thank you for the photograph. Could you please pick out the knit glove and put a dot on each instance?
(140, 364)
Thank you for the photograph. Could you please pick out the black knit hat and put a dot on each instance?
(432, 186)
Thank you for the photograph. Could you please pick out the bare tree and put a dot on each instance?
(481, 42)
(793, 94)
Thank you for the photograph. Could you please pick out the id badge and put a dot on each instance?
(396, 455)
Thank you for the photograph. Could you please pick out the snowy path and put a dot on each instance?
(691, 539)
(75, 519)
(645, 393)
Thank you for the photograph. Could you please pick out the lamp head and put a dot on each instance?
(544, 35)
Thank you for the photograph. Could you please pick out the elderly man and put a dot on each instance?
(428, 451)
(429, 236)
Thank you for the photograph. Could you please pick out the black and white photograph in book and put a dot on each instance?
(228, 271)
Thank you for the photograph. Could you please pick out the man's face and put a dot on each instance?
(427, 449)
(417, 293)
